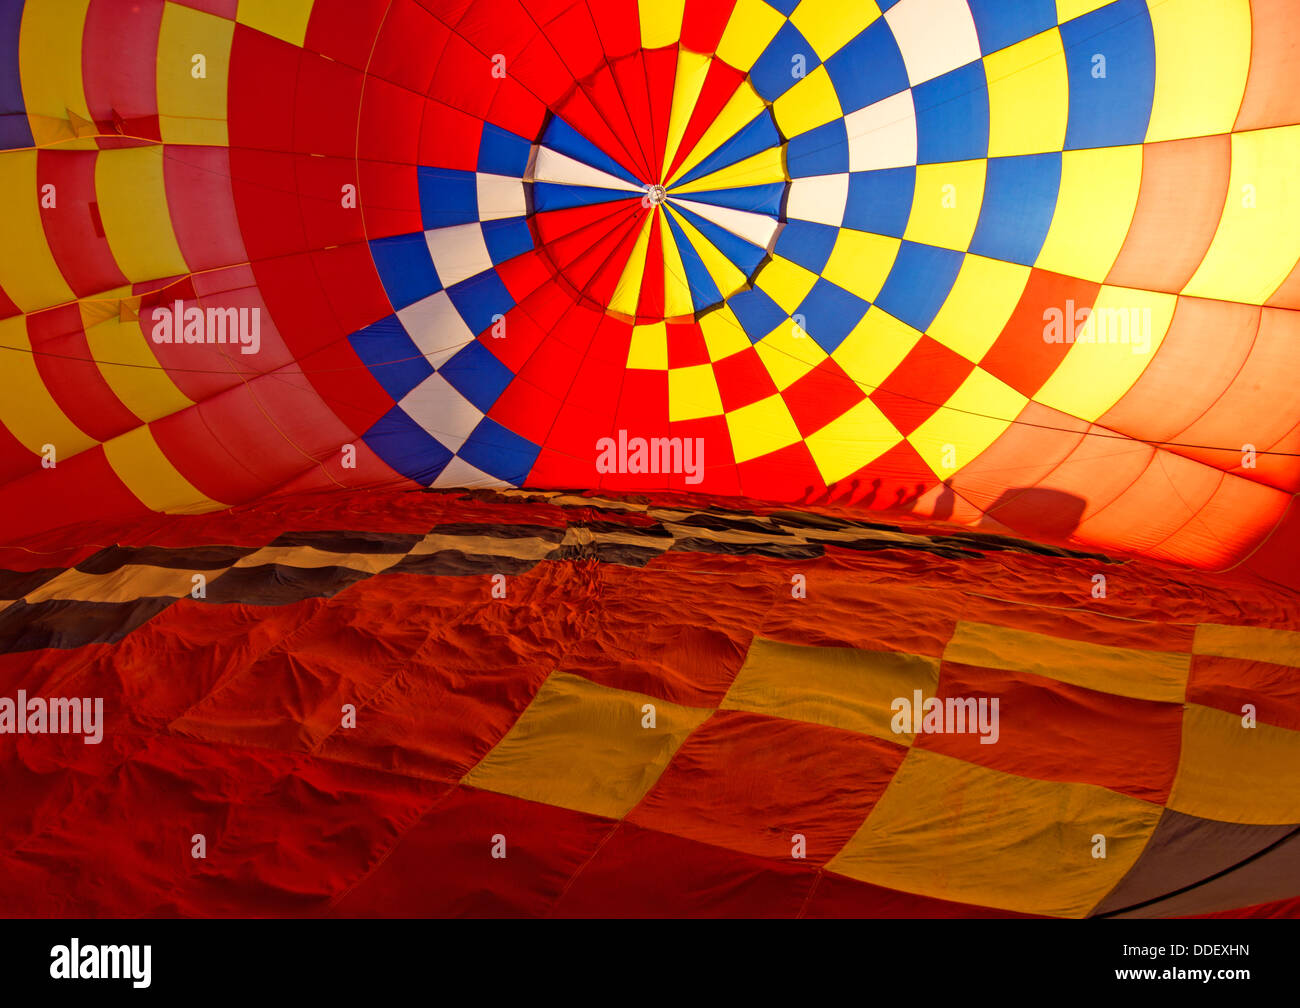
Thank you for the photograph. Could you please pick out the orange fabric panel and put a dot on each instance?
(1269, 375)
(1239, 515)
(1160, 502)
(1024, 455)
(1184, 183)
(1288, 294)
(1198, 360)
(1272, 95)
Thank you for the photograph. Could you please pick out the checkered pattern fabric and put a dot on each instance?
(643, 709)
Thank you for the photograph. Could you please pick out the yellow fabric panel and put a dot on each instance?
(973, 418)
(1196, 96)
(1280, 647)
(1232, 773)
(1094, 376)
(285, 19)
(723, 271)
(693, 393)
(860, 262)
(840, 687)
(856, 437)
(127, 583)
(723, 334)
(49, 62)
(523, 547)
(1029, 96)
(812, 102)
(649, 347)
(830, 25)
(952, 830)
(193, 111)
(875, 347)
(581, 746)
(1128, 672)
(976, 311)
(133, 206)
(26, 407)
(1067, 10)
(692, 69)
(785, 282)
(787, 355)
(1254, 249)
(753, 24)
(761, 427)
(946, 204)
(762, 168)
(677, 288)
(661, 22)
(149, 474)
(308, 557)
(740, 110)
(125, 358)
(1099, 190)
(627, 293)
(28, 272)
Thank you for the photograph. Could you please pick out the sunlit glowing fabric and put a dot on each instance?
(1026, 268)
(866, 218)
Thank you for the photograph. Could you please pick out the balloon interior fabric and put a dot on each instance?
(581, 443)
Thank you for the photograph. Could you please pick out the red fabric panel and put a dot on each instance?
(651, 305)
(690, 879)
(838, 897)
(1229, 683)
(119, 50)
(822, 395)
(720, 84)
(201, 199)
(686, 344)
(71, 376)
(63, 493)
(261, 64)
(545, 848)
(73, 228)
(750, 783)
(704, 23)
(785, 474)
(1021, 357)
(660, 74)
(923, 382)
(346, 32)
(328, 104)
(408, 47)
(1050, 730)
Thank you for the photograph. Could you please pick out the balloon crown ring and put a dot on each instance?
(655, 194)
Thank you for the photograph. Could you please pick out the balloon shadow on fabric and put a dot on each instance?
(1036, 512)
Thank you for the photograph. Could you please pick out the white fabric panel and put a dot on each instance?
(758, 229)
(460, 473)
(459, 252)
(435, 326)
(883, 135)
(552, 166)
(500, 197)
(818, 198)
(934, 36)
(442, 411)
